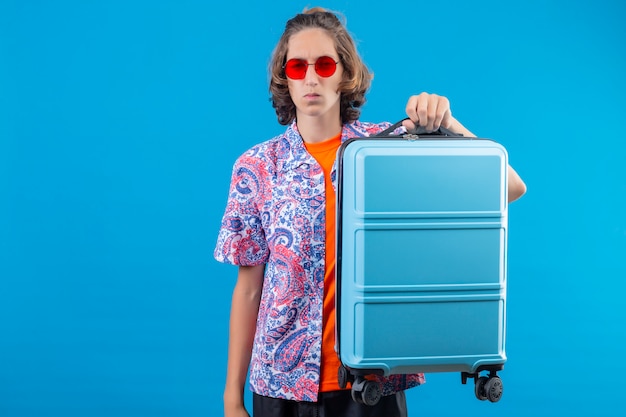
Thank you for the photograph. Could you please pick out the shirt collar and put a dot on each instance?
(298, 154)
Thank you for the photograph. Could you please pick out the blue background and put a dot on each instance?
(119, 124)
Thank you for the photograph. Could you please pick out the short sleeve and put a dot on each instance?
(241, 238)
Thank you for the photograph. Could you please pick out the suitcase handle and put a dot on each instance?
(418, 132)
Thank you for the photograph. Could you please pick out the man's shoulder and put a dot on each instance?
(360, 129)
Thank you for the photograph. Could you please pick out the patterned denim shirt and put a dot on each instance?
(275, 215)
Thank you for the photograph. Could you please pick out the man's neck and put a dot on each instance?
(316, 129)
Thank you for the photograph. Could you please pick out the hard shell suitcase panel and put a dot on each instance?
(427, 189)
(464, 352)
(421, 255)
(468, 256)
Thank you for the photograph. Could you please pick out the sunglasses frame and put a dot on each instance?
(315, 66)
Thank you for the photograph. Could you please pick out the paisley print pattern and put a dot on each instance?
(275, 215)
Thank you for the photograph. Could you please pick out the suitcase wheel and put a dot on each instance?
(479, 388)
(488, 388)
(344, 376)
(493, 388)
(485, 387)
(366, 392)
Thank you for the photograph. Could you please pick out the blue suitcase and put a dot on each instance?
(421, 260)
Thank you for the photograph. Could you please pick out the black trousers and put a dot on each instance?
(329, 404)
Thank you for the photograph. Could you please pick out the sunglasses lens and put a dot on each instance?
(296, 69)
(325, 66)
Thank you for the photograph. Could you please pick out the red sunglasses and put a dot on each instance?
(295, 68)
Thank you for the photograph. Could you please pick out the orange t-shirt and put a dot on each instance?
(325, 154)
